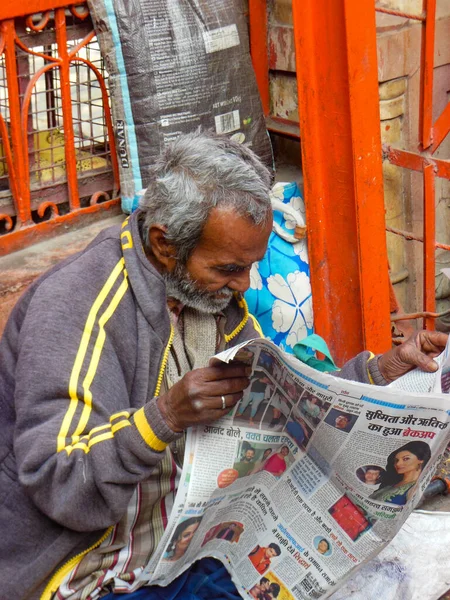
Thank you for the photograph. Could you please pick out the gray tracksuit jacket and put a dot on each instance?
(81, 362)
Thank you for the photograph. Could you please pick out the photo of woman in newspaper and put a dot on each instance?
(278, 462)
(260, 463)
(266, 590)
(181, 539)
(403, 469)
(259, 590)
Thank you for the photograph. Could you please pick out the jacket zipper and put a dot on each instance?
(242, 304)
(165, 358)
(55, 581)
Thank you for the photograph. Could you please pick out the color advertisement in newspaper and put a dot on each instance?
(307, 478)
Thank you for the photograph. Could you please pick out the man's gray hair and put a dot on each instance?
(196, 173)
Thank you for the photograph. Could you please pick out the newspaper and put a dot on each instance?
(305, 480)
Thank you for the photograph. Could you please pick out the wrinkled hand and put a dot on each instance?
(197, 398)
(417, 351)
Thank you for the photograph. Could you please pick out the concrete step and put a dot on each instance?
(19, 269)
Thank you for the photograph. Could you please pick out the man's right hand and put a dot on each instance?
(197, 398)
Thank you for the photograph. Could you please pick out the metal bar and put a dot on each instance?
(403, 158)
(411, 236)
(368, 173)
(403, 326)
(258, 49)
(429, 239)
(441, 128)
(416, 162)
(66, 101)
(341, 149)
(9, 160)
(19, 148)
(26, 109)
(428, 35)
(12, 8)
(50, 94)
(283, 126)
(19, 238)
(399, 13)
(23, 78)
(418, 315)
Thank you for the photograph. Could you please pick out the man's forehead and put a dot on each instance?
(232, 234)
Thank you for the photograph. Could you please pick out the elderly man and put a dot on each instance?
(105, 362)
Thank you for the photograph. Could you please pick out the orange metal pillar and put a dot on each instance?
(335, 44)
(64, 70)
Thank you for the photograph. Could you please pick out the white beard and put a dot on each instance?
(181, 287)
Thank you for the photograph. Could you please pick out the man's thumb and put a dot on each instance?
(426, 363)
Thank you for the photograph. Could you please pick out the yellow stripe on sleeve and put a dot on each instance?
(96, 354)
(106, 432)
(147, 433)
(123, 413)
(120, 425)
(81, 354)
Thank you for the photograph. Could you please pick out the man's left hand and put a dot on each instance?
(417, 351)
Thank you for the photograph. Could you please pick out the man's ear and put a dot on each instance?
(163, 251)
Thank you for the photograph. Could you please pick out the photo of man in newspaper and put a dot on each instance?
(261, 556)
(403, 469)
(246, 459)
(370, 474)
(322, 545)
(340, 420)
(181, 539)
